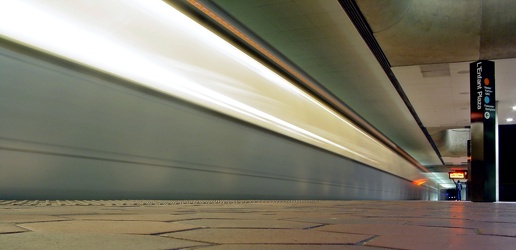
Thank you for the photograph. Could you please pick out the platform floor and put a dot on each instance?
(215, 225)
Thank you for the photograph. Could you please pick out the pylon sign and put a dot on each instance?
(483, 132)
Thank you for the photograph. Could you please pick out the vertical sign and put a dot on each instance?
(483, 127)
(468, 187)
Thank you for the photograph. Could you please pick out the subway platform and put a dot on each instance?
(216, 225)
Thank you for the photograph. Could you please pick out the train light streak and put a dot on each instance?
(154, 45)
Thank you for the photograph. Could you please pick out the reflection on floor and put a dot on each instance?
(142, 224)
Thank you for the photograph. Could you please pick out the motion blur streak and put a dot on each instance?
(152, 44)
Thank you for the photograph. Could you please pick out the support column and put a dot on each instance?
(483, 132)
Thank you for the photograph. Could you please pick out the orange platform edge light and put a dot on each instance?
(419, 182)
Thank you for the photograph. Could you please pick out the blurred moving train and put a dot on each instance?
(142, 102)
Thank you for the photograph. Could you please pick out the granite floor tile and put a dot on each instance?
(289, 247)
(270, 236)
(85, 241)
(238, 223)
(20, 218)
(450, 222)
(8, 228)
(236, 215)
(216, 225)
(339, 219)
(253, 213)
(126, 217)
(501, 229)
(395, 230)
(58, 211)
(432, 242)
(108, 227)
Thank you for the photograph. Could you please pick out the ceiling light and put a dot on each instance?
(510, 119)
(514, 108)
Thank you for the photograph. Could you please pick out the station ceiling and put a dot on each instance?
(428, 46)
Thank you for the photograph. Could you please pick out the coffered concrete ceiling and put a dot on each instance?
(413, 32)
(428, 44)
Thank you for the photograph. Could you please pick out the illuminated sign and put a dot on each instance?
(458, 175)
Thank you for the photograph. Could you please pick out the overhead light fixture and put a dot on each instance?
(514, 108)
(510, 119)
